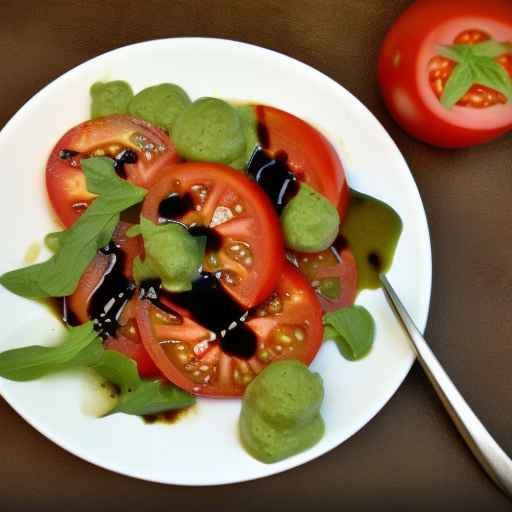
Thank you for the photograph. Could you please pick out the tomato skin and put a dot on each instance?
(65, 181)
(310, 155)
(300, 309)
(136, 351)
(325, 266)
(127, 340)
(406, 51)
(258, 223)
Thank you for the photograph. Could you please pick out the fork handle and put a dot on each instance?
(487, 451)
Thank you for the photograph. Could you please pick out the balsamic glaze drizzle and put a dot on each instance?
(127, 156)
(274, 177)
(112, 293)
(174, 206)
(66, 154)
(212, 307)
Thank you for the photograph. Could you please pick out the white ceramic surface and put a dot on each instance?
(202, 448)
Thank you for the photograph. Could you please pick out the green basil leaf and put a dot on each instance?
(115, 194)
(54, 240)
(84, 348)
(82, 345)
(491, 49)
(353, 330)
(490, 74)
(76, 247)
(456, 52)
(119, 370)
(457, 85)
(330, 287)
(152, 397)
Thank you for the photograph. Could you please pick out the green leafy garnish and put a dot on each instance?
(81, 347)
(152, 397)
(457, 85)
(53, 240)
(137, 396)
(475, 65)
(119, 370)
(76, 247)
(330, 287)
(172, 254)
(353, 330)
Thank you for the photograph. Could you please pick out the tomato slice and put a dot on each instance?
(139, 149)
(309, 154)
(288, 325)
(245, 246)
(126, 340)
(332, 274)
(134, 349)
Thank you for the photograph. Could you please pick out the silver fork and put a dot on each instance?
(487, 451)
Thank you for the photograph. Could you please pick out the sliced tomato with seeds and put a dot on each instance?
(332, 274)
(126, 339)
(288, 325)
(139, 150)
(134, 349)
(245, 246)
(308, 154)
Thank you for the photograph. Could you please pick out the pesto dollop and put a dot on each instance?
(160, 104)
(209, 130)
(281, 411)
(108, 98)
(310, 222)
(371, 228)
(172, 254)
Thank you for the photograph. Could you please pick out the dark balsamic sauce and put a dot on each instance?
(67, 154)
(212, 307)
(209, 303)
(263, 135)
(174, 206)
(213, 239)
(340, 243)
(60, 308)
(127, 156)
(167, 417)
(112, 293)
(274, 176)
(239, 341)
(375, 261)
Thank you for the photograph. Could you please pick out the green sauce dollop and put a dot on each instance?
(108, 98)
(209, 130)
(372, 229)
(281, 411)
(172, 254)
(310, 222)
(160, 104)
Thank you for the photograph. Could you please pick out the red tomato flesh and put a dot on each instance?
(105, 136)
(309, 154)
(287, 326)
(127, 340)
(333, 275)
(250, 251)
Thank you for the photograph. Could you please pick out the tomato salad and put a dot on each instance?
(202, 243)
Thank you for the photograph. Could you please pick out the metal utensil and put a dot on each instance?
(493, 459)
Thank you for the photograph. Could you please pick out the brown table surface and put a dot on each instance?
(409, 457)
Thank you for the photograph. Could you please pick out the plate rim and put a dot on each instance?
(398, 377)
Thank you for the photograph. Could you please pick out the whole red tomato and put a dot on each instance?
(445, 71)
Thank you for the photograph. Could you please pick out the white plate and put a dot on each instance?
(203, 448)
